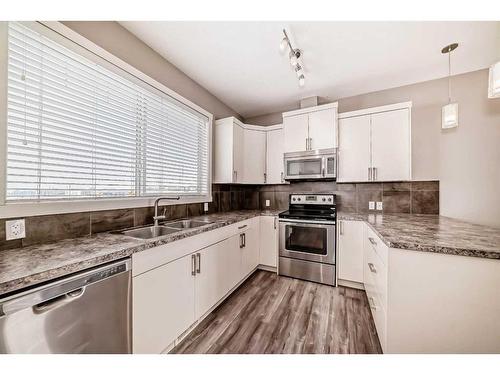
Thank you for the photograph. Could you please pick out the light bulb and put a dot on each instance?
(299, 71)
(293, 60)
(302, 80)
(283, 45)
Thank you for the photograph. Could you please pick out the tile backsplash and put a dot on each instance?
(420, 197)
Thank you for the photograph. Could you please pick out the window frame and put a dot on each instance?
(83, 46)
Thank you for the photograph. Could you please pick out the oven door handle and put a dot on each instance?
(305, 222)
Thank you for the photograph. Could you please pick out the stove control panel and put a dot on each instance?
(323, 199)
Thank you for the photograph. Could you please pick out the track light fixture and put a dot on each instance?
(294, 55)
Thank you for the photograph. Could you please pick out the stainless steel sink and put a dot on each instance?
(149, 231)
(188, 223)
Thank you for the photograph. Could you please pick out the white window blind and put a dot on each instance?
(77, 130)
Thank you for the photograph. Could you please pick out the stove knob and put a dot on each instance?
(298, 199)
(293, 199)
(324, 199)
(329, 199)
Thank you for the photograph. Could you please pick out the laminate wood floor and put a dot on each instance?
(275, 314)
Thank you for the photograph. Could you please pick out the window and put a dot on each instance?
(78, 130)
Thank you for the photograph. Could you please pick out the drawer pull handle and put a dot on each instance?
(372, 241)
(372, 304)
(243, 226)
(372, 268)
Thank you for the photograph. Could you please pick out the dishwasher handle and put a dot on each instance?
(55, 294)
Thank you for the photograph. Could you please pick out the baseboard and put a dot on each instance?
(350, 284)
(267, 268)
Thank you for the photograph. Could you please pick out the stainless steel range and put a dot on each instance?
(307, 238)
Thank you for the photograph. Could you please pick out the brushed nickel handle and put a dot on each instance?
(341, 228)
(372, 241)
(281, 176)
(275, 222)
(265, 177)
(374, 173)
(193, 265)
(243, 226)
(244, 240)
(241, 240)
(198, 257)
(307, 143)
(372, 268)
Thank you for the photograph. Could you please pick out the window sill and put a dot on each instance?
(24, 209)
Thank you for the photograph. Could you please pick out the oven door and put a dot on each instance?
(304, 167)
(307, 240)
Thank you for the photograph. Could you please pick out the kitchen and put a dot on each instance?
(151, 205)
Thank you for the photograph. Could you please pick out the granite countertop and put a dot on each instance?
(432, 233)
(27, 266)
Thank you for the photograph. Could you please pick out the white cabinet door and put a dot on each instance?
(218, 270)
(163, 305)
(254, 156)
(250, 250)
(350, 247)
(268, 251)
(274, 157)
(391, 145)
(296, 132)
(223, 151)
(322, 129)
(354, 149)
(238, 152)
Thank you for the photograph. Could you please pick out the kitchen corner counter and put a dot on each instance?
(31, 265)
(432, 233)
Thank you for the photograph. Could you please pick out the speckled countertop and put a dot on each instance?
(432, 233)
(27, 266)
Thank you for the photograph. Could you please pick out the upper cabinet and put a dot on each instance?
(247, 154)
(254, 156)
(313, 128)
(274, 155)
(375, 144)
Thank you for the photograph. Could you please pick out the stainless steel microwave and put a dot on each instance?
(311, 165)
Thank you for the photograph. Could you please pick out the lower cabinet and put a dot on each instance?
(350, 250)
(268, 249)
(217, 271)
(163, 305)
(249, 247)
(169, 299)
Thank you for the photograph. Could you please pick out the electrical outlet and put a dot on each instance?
(371, 205)
(268, 202)
(205, 206)
(379, 206)
(14, 229)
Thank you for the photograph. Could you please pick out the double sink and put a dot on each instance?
(152, 231)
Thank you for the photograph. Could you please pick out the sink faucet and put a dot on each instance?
(156, 218)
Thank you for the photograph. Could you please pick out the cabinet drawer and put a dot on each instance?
(379, 317)
(379, 247)
(378, 273)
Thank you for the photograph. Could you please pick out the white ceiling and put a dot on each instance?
(240, 62)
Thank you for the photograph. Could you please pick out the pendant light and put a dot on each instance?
(449, 112)
(494, 81)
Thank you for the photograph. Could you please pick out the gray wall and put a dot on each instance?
(465, 160)
(120, 42)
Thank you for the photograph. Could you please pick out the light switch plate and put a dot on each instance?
(205, 206)
(14, 229)
(379, 206)
(268, 202)
(371, 205)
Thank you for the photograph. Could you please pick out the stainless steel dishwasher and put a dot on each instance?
(86, 312)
